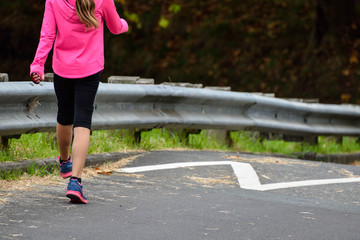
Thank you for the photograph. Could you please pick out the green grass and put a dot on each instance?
(327, 145)
(32, 170)
(112, 141)
(244, 141)
(44, 145)
(11, 175)
(31, 146)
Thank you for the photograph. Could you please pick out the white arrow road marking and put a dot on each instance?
(245, 173)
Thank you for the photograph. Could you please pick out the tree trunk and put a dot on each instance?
(333, 19)
(327, 56)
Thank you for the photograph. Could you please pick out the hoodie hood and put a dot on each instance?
(68, 11)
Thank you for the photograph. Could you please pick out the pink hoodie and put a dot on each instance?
(77, 52)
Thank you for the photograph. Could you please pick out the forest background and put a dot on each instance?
(293, 48)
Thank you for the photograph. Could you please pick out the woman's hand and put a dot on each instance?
(35, 78)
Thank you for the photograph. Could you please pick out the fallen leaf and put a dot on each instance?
(104, 173)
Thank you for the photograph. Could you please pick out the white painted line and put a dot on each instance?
(274, 186)
(245, 173)
(172, 166)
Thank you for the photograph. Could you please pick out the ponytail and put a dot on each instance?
(85, 11)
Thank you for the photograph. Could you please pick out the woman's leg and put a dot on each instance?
(64, 90)
(80, 149)
(85, 92)
(64, 137)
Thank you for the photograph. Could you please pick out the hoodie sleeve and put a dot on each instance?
(47, 38)
(115, 24)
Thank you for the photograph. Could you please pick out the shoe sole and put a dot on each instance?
(66, 175)
(75, 197)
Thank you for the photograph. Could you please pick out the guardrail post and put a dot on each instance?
(4, 77)
(222, 136)
(265, 135)
(304, 100)
(264, 94)
(49, 77)
(123, 79)
(137, 134)
(145, 81)
(4, 143)
(130, 80)
(313, 140)
(183, 84)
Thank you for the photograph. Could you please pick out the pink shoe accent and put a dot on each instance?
(66, 175)
(75, 197)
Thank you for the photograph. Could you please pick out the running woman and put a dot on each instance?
(75, 29)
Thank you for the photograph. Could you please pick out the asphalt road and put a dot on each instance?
(196, 202)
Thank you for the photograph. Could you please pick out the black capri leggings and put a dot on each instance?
(75, 99)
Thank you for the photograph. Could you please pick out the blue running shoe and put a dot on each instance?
(75, 192)
(65, 168)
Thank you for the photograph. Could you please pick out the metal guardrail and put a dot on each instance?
(29, 108)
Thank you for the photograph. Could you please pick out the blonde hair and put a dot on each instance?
(85, 11)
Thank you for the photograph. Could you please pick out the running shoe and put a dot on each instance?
(75, 192)
(65, 168)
